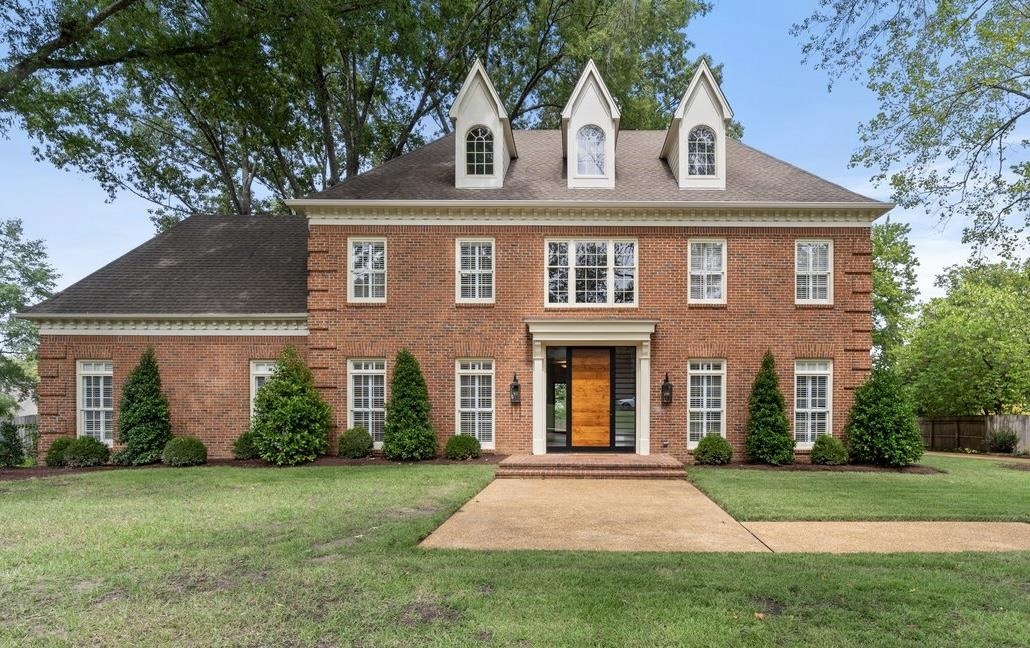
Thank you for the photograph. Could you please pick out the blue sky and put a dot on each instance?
(784, 106)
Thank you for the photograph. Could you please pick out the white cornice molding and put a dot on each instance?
(206, 324)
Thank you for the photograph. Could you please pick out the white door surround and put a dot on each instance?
(591, 332)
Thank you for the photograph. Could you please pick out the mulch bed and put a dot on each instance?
(1018, 466)
(805, 467)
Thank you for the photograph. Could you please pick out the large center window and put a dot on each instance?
(592, 273)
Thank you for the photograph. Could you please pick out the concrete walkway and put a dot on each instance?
(647, 515)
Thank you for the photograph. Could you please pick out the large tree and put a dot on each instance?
(953, 83)
(894, 288)
(263, 100)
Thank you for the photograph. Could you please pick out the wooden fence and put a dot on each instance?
(958, 432)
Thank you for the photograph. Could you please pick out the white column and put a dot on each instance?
(644, 398)
(539, 399)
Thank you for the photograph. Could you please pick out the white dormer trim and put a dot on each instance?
(703, 104)
(590, 104)
(479, 106)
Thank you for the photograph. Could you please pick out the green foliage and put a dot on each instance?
(462, 446)
(355, 443)
(12, 453)
(969, 352)
(768, 429)
(244, 447)
(408, 434)
(291, 421)
(1004, 441)
(85, 452)
(143, 424)
(894, 288)
(881, 427)
(829, 451)
(55, 454)
(713, 450)
(184, 451)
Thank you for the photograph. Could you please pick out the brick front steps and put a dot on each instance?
(584, 465)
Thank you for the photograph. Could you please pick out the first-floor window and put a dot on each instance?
(476, 400)
(707, 399)
(96, 400)
(813, 380)
(260, 372)
(367, 396)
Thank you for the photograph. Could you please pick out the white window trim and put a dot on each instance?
(351, 240)
(725, 271)
(829, 398)
(493, 151)
(378, 445)
(256, 370)
(458, 373)
(829, 274)
(610, 303)
(79, 418)
(722, 372)
(457, 271)
(715, 143)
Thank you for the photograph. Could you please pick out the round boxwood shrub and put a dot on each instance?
(291, 421)
(11, 451)
(55, 455)
(1004, 441)
(184, 451)
(881, 427)
(407, 434)
(829, 451)
(85, 452)
(768, 431)
(461, 447)
(713, 450)
(244, 448)
(355, 443)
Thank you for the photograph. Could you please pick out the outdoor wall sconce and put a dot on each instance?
(515, 390)
(666, 390)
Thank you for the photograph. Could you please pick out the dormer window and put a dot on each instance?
(590, 151)
(479, 151)
(701, 151)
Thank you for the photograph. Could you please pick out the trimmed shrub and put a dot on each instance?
(461, 447)
(355, 443)
(85, 452)
(291, 421)
(1004, 441)
(407, 433)
(829, 451)
(713, 450)
(143, 423)
(55, 454)
(184, 451)
(12, 453)
(243, 447)
(768, 430)
(881, 427)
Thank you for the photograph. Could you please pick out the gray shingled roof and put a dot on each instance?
(640, 175)
(203, 265)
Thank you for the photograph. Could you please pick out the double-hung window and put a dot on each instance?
(367, 269)
(707, 400)
(591, 272)
(366, 395)
(813, 272)
(260, 372)
(96, 400)
(813, 399)
(475, 271)
(475, 400)
(707, 261)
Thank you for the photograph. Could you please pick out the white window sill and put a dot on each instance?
(803, 446)
(813, 302)
(474, 301)
(357, 300)
(707, 302)
(571, 305)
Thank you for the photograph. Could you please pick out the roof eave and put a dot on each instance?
(28, 315)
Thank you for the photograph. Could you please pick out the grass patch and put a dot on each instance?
(967, 490)
(328, 557)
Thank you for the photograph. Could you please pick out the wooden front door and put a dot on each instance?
(591, 397)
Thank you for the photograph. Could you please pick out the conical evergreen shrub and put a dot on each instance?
(408, 434)
(291, 421)
(143, 421)
(881, 427)
(768, 429)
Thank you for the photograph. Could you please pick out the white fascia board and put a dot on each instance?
(243, 317)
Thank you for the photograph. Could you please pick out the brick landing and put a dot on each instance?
(589, 465)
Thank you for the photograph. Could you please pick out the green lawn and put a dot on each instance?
(969, 489)
(327, 557)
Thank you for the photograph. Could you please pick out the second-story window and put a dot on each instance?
(479, 151)
(475, 280)
(367, 270)
(813, 277)
(590, 151)
(591, 273)
(707, 271)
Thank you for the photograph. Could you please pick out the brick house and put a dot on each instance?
(624, 283)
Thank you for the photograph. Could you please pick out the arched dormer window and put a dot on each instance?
(701, 151)
(479, 151)
(590, 151)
